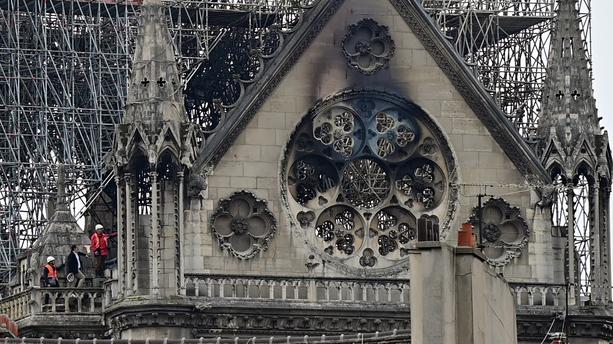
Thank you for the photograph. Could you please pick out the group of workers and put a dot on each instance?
(74, 273)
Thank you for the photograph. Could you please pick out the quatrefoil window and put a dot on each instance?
(360, 172)
(243, 225)
(504, 231)
(368, 46)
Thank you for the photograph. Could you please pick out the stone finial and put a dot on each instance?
(62, 202)
(62, 211)
(155, 93)
(568, 108)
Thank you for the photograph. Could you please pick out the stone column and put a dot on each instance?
(181, 236)
(121, 269)
(131, 280)
(606, 242)
(570, 235)
(595, 265)
(154, 242)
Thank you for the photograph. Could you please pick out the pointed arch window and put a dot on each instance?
(559, 207)
(142, 184)
(581, 210)
(576, 225)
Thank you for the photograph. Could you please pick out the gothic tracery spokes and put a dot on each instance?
(359, 173)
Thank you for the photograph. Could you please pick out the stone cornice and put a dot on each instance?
(205, 319)
(534, 326)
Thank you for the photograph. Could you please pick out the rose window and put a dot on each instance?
(504, 232)
(359, 172)
(243, 225)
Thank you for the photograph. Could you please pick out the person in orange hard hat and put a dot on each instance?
(100, 248)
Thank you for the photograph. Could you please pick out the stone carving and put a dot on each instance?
(356, 180)
(504, 231)
(547, 194)
(243, 225)
(196, 186)
(368, 46)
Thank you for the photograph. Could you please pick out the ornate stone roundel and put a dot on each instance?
(243, 225)
(368, 46)
(361, 171)
(504, 231)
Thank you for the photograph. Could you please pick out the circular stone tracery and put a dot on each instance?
(243, 225)
(359, 171)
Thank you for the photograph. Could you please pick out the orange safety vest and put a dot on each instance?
(51, 271)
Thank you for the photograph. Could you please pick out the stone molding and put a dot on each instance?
(534, 327)
(206, 319)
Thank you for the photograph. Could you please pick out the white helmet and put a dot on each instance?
(99, 226)
(50, 259)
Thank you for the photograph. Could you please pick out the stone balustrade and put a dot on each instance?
(16, 306)
(53, 300)
(308, 290)
(539, 295)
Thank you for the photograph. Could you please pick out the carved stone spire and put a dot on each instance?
(154, 147)
(62, 202)
(155, 92)
(62, 212)
(569, 108)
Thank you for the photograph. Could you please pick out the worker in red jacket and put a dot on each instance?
(100, 248)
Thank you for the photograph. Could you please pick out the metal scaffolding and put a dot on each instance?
(507, 43)
(64, 68)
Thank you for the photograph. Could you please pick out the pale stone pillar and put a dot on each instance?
(181, 236)
(154, 241)
(570, 235)
(131, 285)
(595, 278)
(121, 269)
(606, 242)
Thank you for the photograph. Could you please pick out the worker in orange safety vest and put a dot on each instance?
(49, 275)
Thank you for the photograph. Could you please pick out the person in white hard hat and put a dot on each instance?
(49, 275)
(100, 247)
